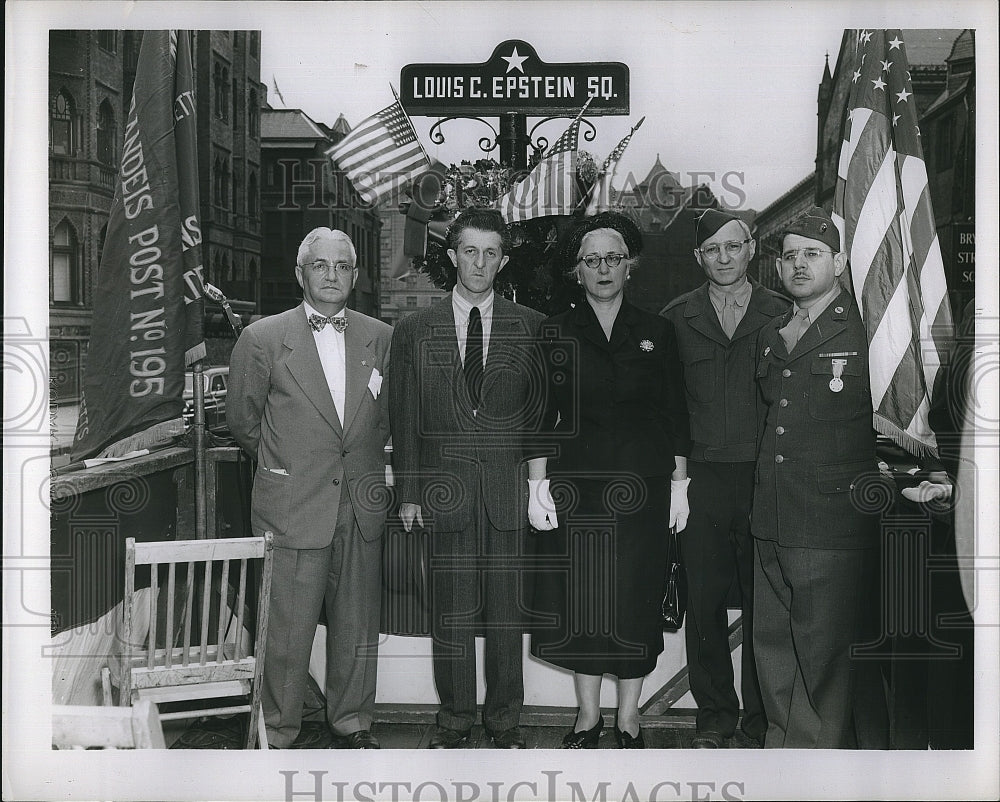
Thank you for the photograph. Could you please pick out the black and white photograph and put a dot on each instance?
(391, 383)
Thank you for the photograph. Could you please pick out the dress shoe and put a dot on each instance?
(707, 740)
(362, 739)
(586, 739)
(627, 741)
(507, 739)
(756, 740)
(443, 738)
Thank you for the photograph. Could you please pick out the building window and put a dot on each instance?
(217, 182)
(66, 280)
(108, 40)
(221, 86)
(253, 115)
(62, 124)
(236, 105)
(411, 301)
(102, 238)
(944, 143)
(236, 193)
(106, 134)
(252, 195)
(225, 94)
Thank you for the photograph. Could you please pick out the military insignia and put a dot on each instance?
(837, 367)
(822, 228)
(364, 363)
(767, 350)
(646, 345)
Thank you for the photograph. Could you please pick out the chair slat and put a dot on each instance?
(231, 548)
(240, 603)
(154, 592)
(223, 611)
(169, 640)
(206, 603)
(188, 605)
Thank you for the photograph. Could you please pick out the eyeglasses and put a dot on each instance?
(593, 260)
(321, 268)
(811, 255)
(733, 248)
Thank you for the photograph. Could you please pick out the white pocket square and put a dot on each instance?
(375, 383)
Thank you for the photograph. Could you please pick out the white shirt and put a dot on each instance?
(333, 357)
(461, 308)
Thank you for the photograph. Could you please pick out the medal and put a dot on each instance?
(837, 367)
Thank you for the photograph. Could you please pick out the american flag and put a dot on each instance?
(381, 154)
(883, 206)
(600, 193)
(550, 188)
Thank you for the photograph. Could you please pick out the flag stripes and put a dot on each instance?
(381, 154)
(882, 204)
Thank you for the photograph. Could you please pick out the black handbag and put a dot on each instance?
(675, 595)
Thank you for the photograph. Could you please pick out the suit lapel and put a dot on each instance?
(703, 319)
(304, 365)
(359, 361)
(442, 341)
(831, 322)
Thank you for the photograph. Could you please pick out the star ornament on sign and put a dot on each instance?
(515, 61)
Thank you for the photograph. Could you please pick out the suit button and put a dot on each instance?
(343, 453)
(780, 430)
(336, 481)
(783, 402)
(779, 459)
(786, 373)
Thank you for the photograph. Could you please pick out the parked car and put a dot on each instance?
(216, 380)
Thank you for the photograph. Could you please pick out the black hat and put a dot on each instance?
(815, 224)
(710, 221)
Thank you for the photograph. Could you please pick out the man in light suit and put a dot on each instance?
(305, 400)
(465, 392)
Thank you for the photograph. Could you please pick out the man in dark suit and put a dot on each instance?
(464, 392)
(815, 541)
(305, 400)
(717, 326)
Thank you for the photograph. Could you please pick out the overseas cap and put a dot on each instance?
(710, 221)
(815, 224)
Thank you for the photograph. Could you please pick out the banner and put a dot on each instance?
(148, 302)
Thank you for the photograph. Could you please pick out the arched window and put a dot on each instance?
(236, 105)
(106, 134)
(62, 124)
(219, 88)
(224, 83)
(236, 192)
(217, 182)
(66, 281)
(252, 195)
(225, 184)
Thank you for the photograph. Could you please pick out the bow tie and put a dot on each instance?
(318, 322)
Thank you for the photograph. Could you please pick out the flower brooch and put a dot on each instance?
(646, 345)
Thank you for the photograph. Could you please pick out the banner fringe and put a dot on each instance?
(911, 444)
(159, 434)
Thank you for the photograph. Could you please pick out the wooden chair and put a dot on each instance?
(203, 652)
(83, 726)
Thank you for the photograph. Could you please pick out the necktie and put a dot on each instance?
(729, 322)
(318, 322)
(474, 356)
(791, 333)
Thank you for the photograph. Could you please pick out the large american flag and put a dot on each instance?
(883, 206)
(551, 187)
(381, 154)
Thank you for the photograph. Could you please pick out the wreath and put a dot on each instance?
(532, 276)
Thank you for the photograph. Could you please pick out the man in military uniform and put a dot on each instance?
(717, 326)
(815, 543)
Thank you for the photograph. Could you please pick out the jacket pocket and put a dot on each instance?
(272, 498)
(841, 477)
(837, 397)
(699, 372)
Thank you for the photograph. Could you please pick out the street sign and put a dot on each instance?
(515, 79)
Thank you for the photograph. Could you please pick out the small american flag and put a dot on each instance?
(381, 154)
(883, 206)
(600, 193)
(550, 188)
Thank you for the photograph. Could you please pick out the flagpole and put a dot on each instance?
(200, 456)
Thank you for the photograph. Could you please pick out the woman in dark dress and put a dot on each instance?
(616, 429)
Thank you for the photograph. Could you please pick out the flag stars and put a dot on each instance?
(895, 119)
(902, 96)
(878, 83)
(857, 76)
(886, 65)
(895, 43)
(867, 36)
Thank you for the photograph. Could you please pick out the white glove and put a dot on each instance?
(679, 509)
(541, 507)
(928, 491)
